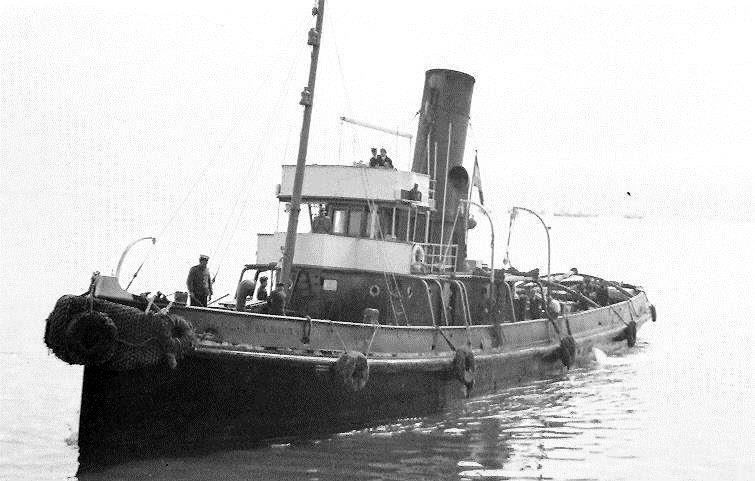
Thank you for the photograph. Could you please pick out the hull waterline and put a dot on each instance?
(220, 397)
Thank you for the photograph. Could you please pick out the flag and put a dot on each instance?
(476, 181)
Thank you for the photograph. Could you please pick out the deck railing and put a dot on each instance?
(434, 258)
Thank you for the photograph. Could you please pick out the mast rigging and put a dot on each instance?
(307, 98)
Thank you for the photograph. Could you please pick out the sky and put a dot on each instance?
(174, 117)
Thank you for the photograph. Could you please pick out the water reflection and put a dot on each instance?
(553, 429)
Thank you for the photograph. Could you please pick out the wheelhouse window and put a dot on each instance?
(340, 220)
(356, 215)
(392, 223)
(349, 220)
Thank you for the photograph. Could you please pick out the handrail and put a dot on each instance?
(547, 235)
(443, 305)
(511, 300)
(467, 312)
(435, 258)
(492, 237)
(429, 302)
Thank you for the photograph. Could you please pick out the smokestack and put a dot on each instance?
(439, 151)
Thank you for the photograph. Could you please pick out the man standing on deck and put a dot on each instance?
(277, 301)
(199, 283)
(321, 223)
(375, 160)
(385, 161)
(262, 292)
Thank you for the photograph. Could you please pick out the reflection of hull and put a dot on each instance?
(231, 393)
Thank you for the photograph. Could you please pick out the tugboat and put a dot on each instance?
(384, 314)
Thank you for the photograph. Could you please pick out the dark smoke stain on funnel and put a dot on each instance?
(439, 150)
(459, 179)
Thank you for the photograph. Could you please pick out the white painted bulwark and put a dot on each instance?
(336, 251)
(353, 182)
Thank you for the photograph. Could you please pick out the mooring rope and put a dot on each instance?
(338, 335)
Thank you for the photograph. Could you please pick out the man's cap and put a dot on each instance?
(204, 258)
(373, 149)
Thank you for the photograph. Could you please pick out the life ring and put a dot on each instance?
(352, 370)
(418, 254)
(90, 337)
(568, 351)
(374, 290)
(464, 366)
(630, 332)
(652, 313)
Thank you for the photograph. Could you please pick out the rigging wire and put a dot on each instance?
(332, 22)
(257, 157)
(231, 131)
(213, 157)
(254, 166)
(275, 117)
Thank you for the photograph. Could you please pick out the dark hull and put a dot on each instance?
(218, 398)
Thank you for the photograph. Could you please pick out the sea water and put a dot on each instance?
(677, 406)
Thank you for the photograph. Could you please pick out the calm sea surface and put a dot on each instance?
(678, 406)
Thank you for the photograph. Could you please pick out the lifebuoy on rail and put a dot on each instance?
(352, 370)
(464, 366)
(90, 336)
(418, 254)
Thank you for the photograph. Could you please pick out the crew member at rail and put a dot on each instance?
(277, 301)
(262, 292)
(199, 283)
(415, 194)
(385, 161)
(375, 160)
(321, 223)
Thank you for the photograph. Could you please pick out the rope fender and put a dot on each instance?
(568, 351)
(652, 313)
(91, 331)
(91, 337)
(464, 366)
(352, 370)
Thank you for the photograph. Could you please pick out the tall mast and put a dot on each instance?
(307, 97)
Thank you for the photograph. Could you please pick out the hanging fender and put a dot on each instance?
(352, 370)
(91, 336)
(464, 366)
(630, 333)
(568, 351)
